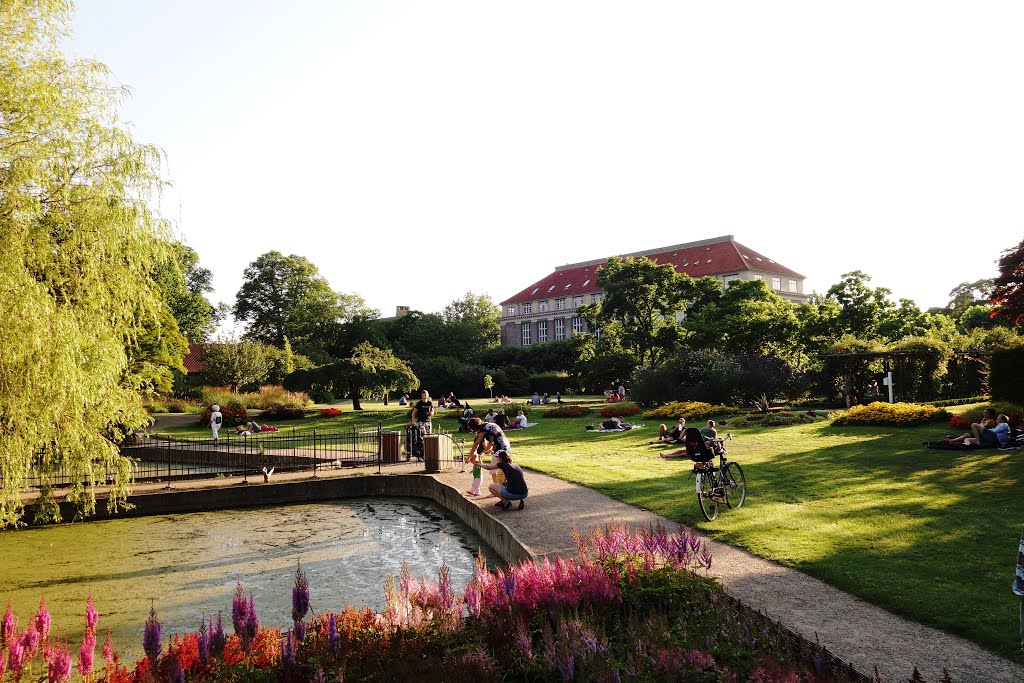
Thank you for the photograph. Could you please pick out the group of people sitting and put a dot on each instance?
(543, 400)
(251, 427)
(504, 421)
(992, 432)
(501, 398)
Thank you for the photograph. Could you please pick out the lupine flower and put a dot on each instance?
(203, 643)
(108, 650)
(151, 638)
(42, 620)
(87, 652)
(91, 616)
(287, 649)
(9, 627)
(217, 638)
(239, 611)
(30, 641)
(177, 671)
(333, 637)
(300, 631)
(300, 596)
(59, 666)
(16, 657)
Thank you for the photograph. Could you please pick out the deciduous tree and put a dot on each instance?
(1008, 293)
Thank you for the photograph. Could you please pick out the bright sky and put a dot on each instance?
(415, 151)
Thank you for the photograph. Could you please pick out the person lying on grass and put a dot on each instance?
(988, 421)
(514, 487)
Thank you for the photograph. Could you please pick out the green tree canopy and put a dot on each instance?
(237, 363)
(474, 324)
(968, 294)
(184, 285)
(79, 241)
(370, 371)
(285, 296)
(747, 319)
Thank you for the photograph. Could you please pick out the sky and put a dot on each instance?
(417, 151)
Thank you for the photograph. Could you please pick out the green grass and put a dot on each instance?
(928, 534)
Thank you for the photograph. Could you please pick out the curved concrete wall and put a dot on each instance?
(504, 542)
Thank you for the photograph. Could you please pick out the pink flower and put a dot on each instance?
(108, 649)
(86, 653)
(91, 616)
(9, 627)
(16, 657)
(59, 669)
(42, 620)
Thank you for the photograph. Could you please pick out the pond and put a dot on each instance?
(187, 566)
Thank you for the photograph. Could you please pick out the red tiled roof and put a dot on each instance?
(194, 359)
(709, 257)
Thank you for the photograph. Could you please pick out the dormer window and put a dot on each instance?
(567, 286)
(535, 290)
(585, 283)
(551, 288)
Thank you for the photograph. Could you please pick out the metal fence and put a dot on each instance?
(167, 458)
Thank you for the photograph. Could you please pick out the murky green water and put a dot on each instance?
(187, 565)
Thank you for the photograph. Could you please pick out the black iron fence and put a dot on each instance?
(166, 458)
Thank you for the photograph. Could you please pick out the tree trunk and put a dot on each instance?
(386, 397)
(355, 402)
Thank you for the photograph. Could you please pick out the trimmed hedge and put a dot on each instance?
(890, 415)
(1006, 375)
(689, 410)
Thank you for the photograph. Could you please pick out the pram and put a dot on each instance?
(700, 448)
(413, 442)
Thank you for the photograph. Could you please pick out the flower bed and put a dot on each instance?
(688, 409)
(330, 412)
(568, 411)
(637, 604)
(621, 409)
(890, 414)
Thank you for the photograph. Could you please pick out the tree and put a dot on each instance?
(968, 294)
(747, 319)
(640, 305)
(1008, 293)
(370, 371)
(861, 308)
(236, 363)
(184, 285)
(474, 324)
(79, 241)
(489, 384)
(285, 296)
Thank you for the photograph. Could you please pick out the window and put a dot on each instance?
(729, 278)
(527, 308)
(597, 333)
(510, 311)
(776, 283)
(792, 286)
(577, 301)
(595, 298)
(559, 330)
(526, 334)
(543, 306)
(542, 331)
(560, 304)
(577, 325)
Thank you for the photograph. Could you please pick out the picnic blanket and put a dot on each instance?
(528, 424)
(606, 431)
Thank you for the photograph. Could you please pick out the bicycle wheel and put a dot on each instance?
(735, 485)
(705, 488)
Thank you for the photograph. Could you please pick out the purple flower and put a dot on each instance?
(151, 638)
(177, 672)
(300, 596)
(203, 642)
(333, 637)
(300, 631)
(16, 657)
(239, 611)
(566, 666)
(510, 583)
(59, 666)
(287, 650)
(108, 649)
(217, 638)
(30, 641)
(252, 625)
(42, 620)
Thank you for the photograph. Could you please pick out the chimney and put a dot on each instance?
(401, 310)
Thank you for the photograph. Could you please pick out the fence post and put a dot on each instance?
(314, 454)
(379, 445)
(168, 463)
(245, 465)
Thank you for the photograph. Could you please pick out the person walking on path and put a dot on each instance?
(423, 411)
(216, 420)
(514, 487)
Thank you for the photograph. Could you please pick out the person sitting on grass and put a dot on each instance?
(674, 435)
(514, 487)
(988, 421)
(612, 424)
(997, 437)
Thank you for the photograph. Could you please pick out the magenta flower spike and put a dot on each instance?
(300, 595)
(108, 649)
(251, 626)
(16, 657)
(87, 652)
(9, 627)
(59, 666)
(91, 616)
(30, 641)
(151, 641)
(239, 611)
(42, 620)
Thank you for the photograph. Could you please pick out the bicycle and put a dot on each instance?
(724, 483)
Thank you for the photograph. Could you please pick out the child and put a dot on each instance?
(474, 459)
(216, 418)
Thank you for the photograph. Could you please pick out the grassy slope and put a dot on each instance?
(928, 534)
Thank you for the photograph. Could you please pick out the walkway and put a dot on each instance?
(850, 628)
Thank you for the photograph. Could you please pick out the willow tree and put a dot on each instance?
(79, 241)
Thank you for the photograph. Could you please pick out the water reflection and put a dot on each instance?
(188, 565)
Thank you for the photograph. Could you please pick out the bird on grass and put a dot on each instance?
(267, 474)
(371, 509)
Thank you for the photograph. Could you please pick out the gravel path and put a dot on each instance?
(850, 628)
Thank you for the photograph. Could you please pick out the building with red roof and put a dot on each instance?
(194, 361)
(545, 311)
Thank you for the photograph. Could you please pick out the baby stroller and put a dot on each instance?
(701, 449)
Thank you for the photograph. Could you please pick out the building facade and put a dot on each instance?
(547, 310)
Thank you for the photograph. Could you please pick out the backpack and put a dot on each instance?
(218, 419)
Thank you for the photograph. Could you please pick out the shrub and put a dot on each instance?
(620, 409)
(890, 414)
(274, 394)
(153, 405)
(330, 412)
(1006, 375)
(178, 405)
(958, 401)
(283, 411)
(321, 395)
(688, 409)
(234, 414)
(221, 396)
(568, 411)
(778, 419)
(551, 383)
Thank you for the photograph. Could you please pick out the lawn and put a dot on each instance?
(928, 534)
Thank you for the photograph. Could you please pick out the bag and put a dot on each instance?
(218, 419)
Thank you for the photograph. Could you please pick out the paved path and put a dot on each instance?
(850, 628)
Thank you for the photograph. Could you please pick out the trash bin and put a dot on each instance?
(432, 452)
(390, 446)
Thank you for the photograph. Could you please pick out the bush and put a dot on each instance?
(890, 414)
(689, 410)
(779, 419)
(702, 375)
(568, 411)
(551, 383)
(234, 414)
(330, 412)
(274, 394)
(283, 411)
(958, 401)
(1006, 375)
(178, 405)
(321, 395)
(153, 405)
(620, 409)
